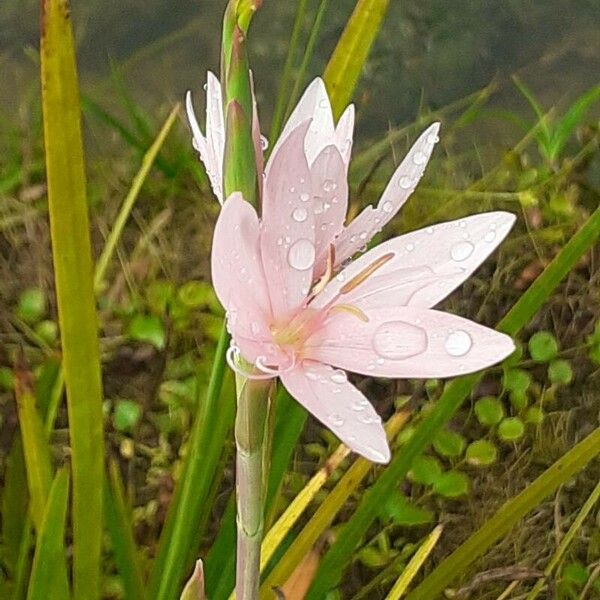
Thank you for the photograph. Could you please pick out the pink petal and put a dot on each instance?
(344, 133)
(425, 265)
(329, 200)
(211, 147)
(237, 274)
(406, 342)
(402, 184)
(328, 395)
(287, 234)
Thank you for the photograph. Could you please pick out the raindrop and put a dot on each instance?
(380, 361)
(329, 185)
(323, 226)
(301, 255)
(363, 235)
(432, 139)
(458, 343)
(410, 247)
(358, 406)
(205, 86)
(318, 206)
(405, 182)
(264, 143)
(311, 375)
(292, 189)
(304, 197)
(336, 420)
(490, 236)
(336, 390)
(387, 207)
(339, 377)
(461, 251)
(462, 224)
(300, 214)
(323, 103)
(419, 158)
(341, 277)
(398, 340)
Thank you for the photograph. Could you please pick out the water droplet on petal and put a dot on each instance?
(329, 185)
(318, 206)
(419, 158)
(292, 189)
(311, 375)
(458, 343)
(336, 420)
(432, 139)
(300, 214)
(304, 197)
(398, 340)
(363, 235)
(301, 255)
(410, 247)
(430, 230)
(387, 207)
(461, 251)
(264, 143)
(336, 390)
(323, 103)
(490, 236)
(405, 182)
(341, 277)
(339, 377)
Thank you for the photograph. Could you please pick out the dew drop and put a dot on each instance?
(292, 189)
(461, 251)
(318, 206)
(341, 277)
(410, 247)
(432, 139)
(338, 377)
(363, 235)
(419, 158)
(299, 215)
(329, 185)
(336, 390)
(387, 207)
(323, 103)
(405, 182)
(304, 197)
(264, 143)
(398, 340)
(490, 236)
(311, 375)
(336, 420)
(458, 343)
(301, 255)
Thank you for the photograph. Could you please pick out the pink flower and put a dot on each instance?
(298, 310)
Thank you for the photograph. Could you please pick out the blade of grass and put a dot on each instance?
(49, 570)
(414, 565)
(71, 250)
(566, 541)
(509, 514)
(307, 57)
(286, 77)
(180, 537)
(349, 57)
(130, 199)
(324, 515)
(35, 447)
(455, 392)
(119, 524)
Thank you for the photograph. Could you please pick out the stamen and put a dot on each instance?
(353, 310)
(232, 356)
(260, 364)
(366, 273)
(326, 277)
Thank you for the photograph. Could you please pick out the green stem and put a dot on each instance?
(251, 430)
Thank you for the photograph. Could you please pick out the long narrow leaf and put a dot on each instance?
(49, 570)
(349, 57)
(71, 250)
(508, 516)
(456, 391)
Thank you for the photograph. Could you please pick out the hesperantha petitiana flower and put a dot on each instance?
(300, 305)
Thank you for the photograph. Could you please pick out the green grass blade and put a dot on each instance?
(119, 524)
(180, 538)
(130, 199)
(283, 92)
(544, 135)
(35, 448)
(508, 516)
(49, 570)
(347, 61)
(332, 565)
(71, 250)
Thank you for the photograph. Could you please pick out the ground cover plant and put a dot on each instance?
(118, 403)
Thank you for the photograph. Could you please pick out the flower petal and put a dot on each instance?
(406, 342)
(287, 229)
(344, 133)
(327, 394)
(402, 184)
(329, 200)
(237, 274)
(422, 267)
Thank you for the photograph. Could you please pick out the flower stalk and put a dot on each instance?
(253, 396)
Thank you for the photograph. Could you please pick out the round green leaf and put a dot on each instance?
(127, 414)
(560, 372)
(47, 330)
(575, 573)
(425, 470)
(489, 410)
(519, 400)
(511, 429)
(148, 329)
(534, 415)
(543, 346)
(449, 443)
(32, 305)
(194, 294)
(481, 453)
(451, 484)
(516, 380)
